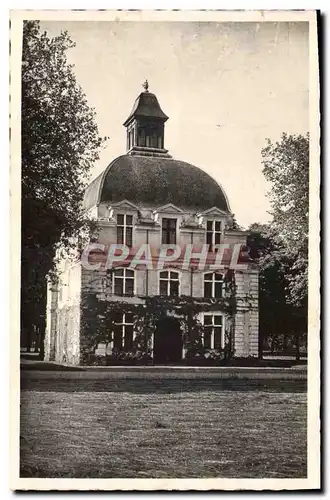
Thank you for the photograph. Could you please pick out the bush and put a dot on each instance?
(133, 357)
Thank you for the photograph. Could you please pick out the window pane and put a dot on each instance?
(120, 234)
(207, 338)
(120, 219)
(119, 272)
(119, 286)
(174, 288)
(164, 223)
(209, 225)
(129, 236)
(217, 238)
(174, 275)
(218, 277)
(208, 277)
(172, 237)
(217, 225)
(117, 317)
(164, 236)
(129, 318)
(218, 320)
(129, 286)
(172, 223)
(128, 339)
(129, 220)
(208, 289)
(217, 337)
(209, 238)
(207, 319)
(163, 287)
(129, 273)
(117, 337)
(218, 290)
(163, 274)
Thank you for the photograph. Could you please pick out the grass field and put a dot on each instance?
(191, 430)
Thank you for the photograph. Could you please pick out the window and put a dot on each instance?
(213, 331)
(123, 282)
(125, 229)
(169, 283)
(168, 231)
(213, 233)
(213, 283)
(123, 331)
(142, 139)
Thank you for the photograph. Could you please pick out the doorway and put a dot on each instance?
(168, 341)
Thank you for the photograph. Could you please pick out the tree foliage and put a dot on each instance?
(60, 142)
(286, 167)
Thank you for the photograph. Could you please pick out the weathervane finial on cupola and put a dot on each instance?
(145, 85)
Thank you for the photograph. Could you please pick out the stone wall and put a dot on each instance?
(247, 317)
(62, 341)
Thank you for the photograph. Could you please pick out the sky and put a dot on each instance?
(226, 87)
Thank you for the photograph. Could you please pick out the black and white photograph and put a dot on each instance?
(165, 195)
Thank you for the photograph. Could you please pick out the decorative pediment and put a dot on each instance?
(123, 205)
(169, 208)
(214, 212)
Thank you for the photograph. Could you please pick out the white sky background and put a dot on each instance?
(225, 87)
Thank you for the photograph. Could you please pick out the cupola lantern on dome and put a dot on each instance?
(145, 126)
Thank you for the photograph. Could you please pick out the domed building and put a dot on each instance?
(166, 277)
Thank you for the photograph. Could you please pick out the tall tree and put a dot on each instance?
(276, 311)
(286, 167)
(60, 142)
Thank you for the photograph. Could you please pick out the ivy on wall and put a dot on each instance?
(99, 316)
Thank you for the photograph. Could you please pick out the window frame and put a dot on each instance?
(213, 281)
(124, 278)
(169, 270)
(125, 226)
(213, 232)
(176, 230)
(123, 324)
(212, 314)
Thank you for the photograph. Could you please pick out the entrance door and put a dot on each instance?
(168, 341)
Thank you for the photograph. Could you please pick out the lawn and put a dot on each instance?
(169, 431)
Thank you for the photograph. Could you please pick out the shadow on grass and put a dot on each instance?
(162, 385)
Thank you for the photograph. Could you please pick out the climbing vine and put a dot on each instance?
(99, 318)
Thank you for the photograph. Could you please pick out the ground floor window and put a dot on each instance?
(213, 330)
(123, 331)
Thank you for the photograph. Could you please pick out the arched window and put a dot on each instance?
(169, 283)
(213, 284)
(123, 281)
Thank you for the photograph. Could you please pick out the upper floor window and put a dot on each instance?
(123, 281)
(168, 231)
(213, 283)
(169, 282)
(125, 229)
(123, 331)
(213, 331)
(213, 233)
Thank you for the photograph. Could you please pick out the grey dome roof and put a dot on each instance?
(152, 181)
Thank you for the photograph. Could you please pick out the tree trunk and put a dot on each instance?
(297, 339)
